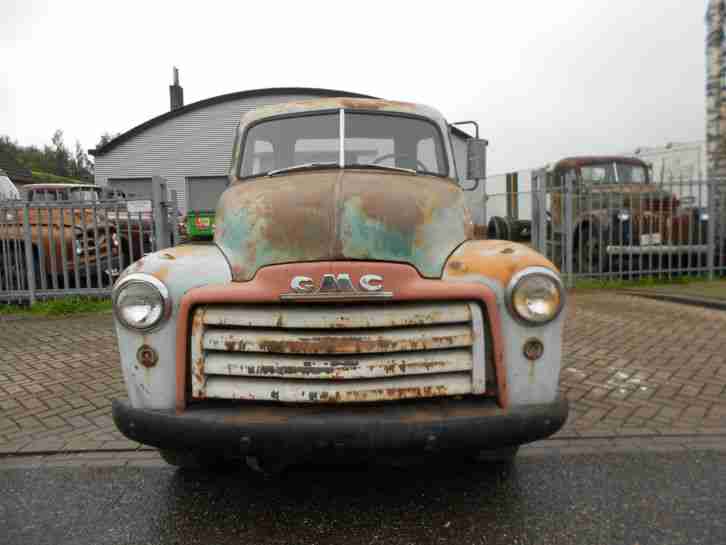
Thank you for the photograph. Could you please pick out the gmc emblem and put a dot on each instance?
(337, 286)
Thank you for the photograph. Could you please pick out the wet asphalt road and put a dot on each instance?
(643, 498)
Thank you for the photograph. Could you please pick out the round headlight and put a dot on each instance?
(141, 301)
(536, 295)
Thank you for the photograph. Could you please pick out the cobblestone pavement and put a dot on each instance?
(632, 367)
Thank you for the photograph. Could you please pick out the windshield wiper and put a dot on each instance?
(304, 166)
(383, 167)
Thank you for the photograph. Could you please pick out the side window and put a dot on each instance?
(570, 179)
(262, 158)
(426, 154)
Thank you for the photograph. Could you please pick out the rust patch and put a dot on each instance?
(484, 257)
(354, 345)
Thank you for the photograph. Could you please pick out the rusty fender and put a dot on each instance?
(493, 263)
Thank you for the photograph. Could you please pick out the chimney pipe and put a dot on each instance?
(176, 93)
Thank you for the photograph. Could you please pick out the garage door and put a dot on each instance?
(203, 192)
(138, 188)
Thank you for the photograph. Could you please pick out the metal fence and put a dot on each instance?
(59, 248)
(613, 231)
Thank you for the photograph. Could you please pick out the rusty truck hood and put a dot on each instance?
(341, 215)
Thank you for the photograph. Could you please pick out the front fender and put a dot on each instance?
(180, 269)
(494, 263)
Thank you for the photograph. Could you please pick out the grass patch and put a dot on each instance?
(39, 177)
(58, 307)
(643, 282)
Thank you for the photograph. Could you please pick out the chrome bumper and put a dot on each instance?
(657, 249)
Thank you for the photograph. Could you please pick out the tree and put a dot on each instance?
(62, 155)
(106, 138)
(82, 165)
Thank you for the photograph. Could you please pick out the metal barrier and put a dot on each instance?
(615, 231)
(55, 249)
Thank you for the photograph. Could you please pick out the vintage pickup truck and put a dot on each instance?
(344, 307)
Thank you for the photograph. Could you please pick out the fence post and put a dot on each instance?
(711, 228)
(159, 209)
(173, 215)
(568, 234)
(29, 261)
(542, 204)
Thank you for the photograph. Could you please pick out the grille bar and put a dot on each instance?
(302, 391)
(336, 316)
(337, 367)
(326, 342)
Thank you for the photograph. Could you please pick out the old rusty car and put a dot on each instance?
(72, 245)
(615, 214)
(344, 308)
(134, 231)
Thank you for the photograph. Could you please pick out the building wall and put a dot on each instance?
(677, 161)
(198, 143)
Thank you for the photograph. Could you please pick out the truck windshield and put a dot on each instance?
(372, 140)
(84, 194)
(612, 173)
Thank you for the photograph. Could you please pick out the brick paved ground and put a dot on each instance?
(631, 367)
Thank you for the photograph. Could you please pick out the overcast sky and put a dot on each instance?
(544, 79)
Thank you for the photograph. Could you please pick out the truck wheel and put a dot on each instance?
(588, 257)
(498, 229)
(504, 455)
(194, 460)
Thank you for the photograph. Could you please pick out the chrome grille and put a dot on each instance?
(337, 353)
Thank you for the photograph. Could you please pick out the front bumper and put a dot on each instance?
(667, 249)
(257, 429)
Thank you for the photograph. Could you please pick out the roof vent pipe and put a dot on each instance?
(176, 93)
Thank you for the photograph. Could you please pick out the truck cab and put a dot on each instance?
(345, 306)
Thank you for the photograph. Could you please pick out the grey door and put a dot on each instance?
(134, 188)
(203, 192)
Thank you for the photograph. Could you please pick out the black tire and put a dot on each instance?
(521, 230)
(195, 461)
(498, 229)
(588, 253)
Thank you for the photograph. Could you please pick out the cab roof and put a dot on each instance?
(337, 103)
(585, 160)
(60, 186)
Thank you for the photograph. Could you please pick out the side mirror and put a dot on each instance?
(476, 156)
(476, 159)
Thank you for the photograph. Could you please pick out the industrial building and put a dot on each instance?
(675, 161)
(191, 144)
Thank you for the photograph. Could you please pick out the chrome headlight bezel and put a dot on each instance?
(153, 283)
(515, 283)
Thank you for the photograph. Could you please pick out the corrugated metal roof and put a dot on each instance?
(216, 100)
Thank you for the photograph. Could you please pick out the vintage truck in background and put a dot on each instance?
(344, 307)
(618, 214)
(71, 247)
(134, 231)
